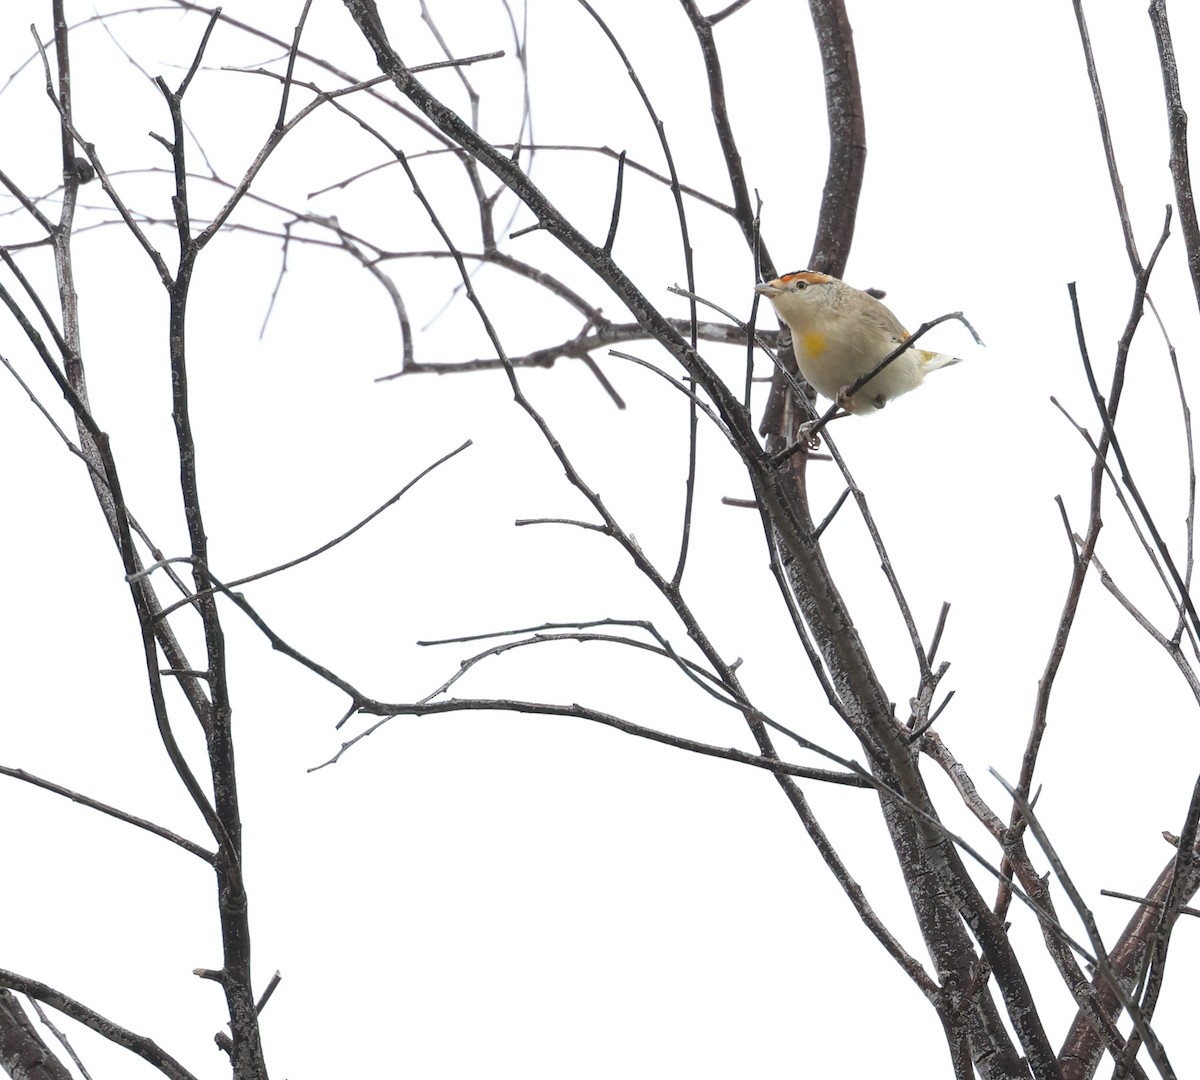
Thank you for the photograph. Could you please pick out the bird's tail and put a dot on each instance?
(931, 361)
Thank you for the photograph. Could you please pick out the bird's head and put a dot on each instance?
(797, 293)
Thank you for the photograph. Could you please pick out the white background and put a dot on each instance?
(508, 895)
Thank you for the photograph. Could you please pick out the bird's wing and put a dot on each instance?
(882, 315)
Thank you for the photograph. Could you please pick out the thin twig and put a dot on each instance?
(689, 497)
(1147, 901)
(61, 1037)
(1126, 476)
(937, 631)
(328, 544)
(616, 210)
(390, 711)
(1110, 156)
(111, 811)
(817, 532)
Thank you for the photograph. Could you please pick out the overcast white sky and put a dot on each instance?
(508, 895)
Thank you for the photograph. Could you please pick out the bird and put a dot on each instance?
(839, 333)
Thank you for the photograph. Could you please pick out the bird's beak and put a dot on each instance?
(767, 289)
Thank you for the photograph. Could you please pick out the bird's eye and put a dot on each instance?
(801, 285)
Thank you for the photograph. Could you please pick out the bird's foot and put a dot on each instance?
(807, 433)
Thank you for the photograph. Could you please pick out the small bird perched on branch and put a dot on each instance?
(839, 333)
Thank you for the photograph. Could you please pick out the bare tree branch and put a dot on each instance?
(147, 1049)
(1185, 198)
